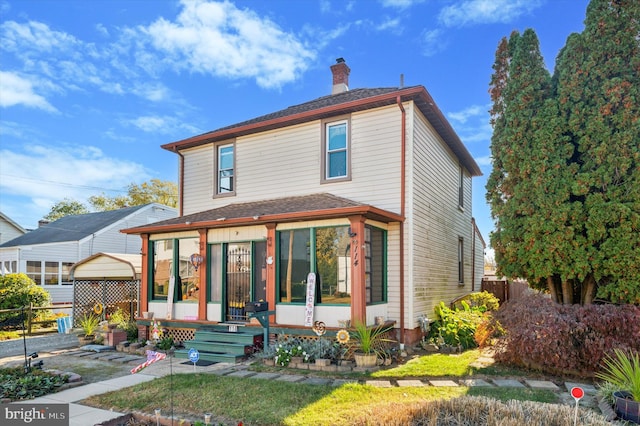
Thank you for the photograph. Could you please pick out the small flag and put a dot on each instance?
(152, 357)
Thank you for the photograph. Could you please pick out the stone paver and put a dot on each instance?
(472, 383)
(507, 383)
(241, 373)
(340, 382)
(443, 383)
(265, 376)
(542, 384)
(316, 381)
(410, 383)
(292, 378)
(588, 389)
(379, 383)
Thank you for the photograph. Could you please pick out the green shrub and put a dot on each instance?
(456, 327)
(16, 385)
(17, 290)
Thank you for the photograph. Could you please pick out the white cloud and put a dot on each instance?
(400, 4)
(222, 40)
(25, 39)
(64, 172)
(484, 160)
(465, 114)
(163, 125)
(432, 42)
(15, 90)
(390, 24)
(485, 11)
(102, 30)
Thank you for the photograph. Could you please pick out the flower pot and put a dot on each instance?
(366, 360)
(86, 340)
(626, 408)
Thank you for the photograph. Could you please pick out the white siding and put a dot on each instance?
(7, 231)
(436, 224)
(287, 162)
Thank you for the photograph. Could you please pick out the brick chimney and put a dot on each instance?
(340, 72)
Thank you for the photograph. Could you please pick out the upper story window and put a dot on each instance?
(336, 151)
(460, 260)
(225, 169)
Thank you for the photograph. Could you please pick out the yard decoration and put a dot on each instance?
(369, 342)
(623, 370)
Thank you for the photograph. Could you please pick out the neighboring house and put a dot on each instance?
(369, 189)
(46, 254)
(9, 230)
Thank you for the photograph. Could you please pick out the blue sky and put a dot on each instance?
(89, 90)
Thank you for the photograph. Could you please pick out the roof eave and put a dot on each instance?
(370, 212)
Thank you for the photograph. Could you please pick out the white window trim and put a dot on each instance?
(325, 149)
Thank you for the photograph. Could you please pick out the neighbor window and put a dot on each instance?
(51, 273)
(336, 157)
(66, 270)
(225, 165)
(34, 271)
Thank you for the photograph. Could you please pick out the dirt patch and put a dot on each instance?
(91, 370)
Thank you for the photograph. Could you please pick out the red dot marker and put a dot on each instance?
(577, 393)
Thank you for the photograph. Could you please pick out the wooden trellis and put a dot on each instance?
(111, 294)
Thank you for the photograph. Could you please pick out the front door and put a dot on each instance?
(238, 280)
(246, 277)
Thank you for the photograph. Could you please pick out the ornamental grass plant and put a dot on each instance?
(622, 369)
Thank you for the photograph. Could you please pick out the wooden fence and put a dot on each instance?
(30, 314)
(504, 290)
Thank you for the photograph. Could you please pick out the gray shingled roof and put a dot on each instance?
(71, 228)
(293, 208)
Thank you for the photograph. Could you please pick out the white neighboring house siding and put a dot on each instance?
(8, 231)
(436, 223)
(286, 162)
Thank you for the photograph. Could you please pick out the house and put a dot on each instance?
(47, 253)
(354, 206)
(8, 231)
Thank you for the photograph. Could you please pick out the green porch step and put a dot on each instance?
(218, 347)
(209, 356)
(227, 337)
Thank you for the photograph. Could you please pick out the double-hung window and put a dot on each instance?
(225, 169)
(336, 151)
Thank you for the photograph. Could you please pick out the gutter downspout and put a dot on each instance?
(181, 182)
(473, 254)
(403, 136)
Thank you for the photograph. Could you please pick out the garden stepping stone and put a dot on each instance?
(316, 381)
(379, 383)
(129, 358)
(472, 383)
(241, 373)
(410, 383)
(542, 384)
(223, 371)
(507, 383)
(443, 383)
(588, 389)
(293, 378)
(266, 376)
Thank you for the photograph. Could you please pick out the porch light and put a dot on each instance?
(196, 260)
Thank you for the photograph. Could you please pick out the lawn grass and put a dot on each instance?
(274, 402)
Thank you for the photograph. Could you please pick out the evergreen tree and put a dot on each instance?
(565, 184)
(598, 87)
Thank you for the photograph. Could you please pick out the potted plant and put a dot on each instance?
(89, 324)
(622, 370)
(369, 342)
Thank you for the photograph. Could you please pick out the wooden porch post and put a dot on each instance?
(358, 290)
(271, 269)
(202, 276)
(144, 276)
